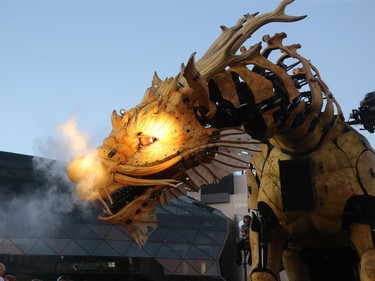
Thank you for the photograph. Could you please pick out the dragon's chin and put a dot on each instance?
(137, 214)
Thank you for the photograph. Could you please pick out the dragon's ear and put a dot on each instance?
(200, 94)
(116, 120)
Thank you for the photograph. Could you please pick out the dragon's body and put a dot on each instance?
(231, 111)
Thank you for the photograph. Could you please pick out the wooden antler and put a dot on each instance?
(222, 52)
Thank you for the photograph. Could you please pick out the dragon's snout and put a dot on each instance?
(90, 176)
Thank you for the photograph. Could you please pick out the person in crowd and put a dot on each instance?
(63, 278)
(9, 277)
(243, 243)
(2, 271)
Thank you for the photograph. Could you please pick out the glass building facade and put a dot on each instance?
(46, 232)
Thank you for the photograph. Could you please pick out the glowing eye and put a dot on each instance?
(146, 140)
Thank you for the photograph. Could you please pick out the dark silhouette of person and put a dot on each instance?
(243, 243)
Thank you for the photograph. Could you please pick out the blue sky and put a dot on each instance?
(89, 57)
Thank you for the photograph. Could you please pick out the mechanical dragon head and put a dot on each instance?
(193, 129)
(156, 151)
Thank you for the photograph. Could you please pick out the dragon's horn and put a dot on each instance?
(200, 94)
(223, 52)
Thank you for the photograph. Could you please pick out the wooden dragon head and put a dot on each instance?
(195, 128)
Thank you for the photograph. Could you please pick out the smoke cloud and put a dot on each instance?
(66, 142)
(42, 197)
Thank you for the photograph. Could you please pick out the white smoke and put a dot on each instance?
(43, 198)
(42, 203)
(66, 142)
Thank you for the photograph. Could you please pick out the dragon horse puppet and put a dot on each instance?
(310, 174)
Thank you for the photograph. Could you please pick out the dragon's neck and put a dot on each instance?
(296, 126)
(309, 136)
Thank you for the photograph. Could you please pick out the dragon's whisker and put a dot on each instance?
(175, 192)
(223, 142)
(224, 163)
(189, 181)
(231, 157)
(105, 205)
(245, 148)
(144, 182)
(200, 175)
(209, 170)
(232, 132)
(192, 185)
(169, 193)
(145, 170)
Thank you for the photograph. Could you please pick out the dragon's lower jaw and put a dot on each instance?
(131, 206)
(127, 200)
(138, 214)
(122, 211)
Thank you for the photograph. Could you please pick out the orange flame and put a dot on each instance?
(86, 171)
(77, 141)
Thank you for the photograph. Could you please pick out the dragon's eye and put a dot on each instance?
(146, 140)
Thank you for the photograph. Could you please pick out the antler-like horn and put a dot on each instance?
(200, 94)
(222, 52)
